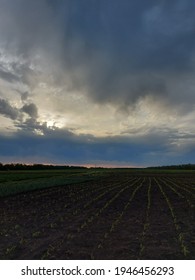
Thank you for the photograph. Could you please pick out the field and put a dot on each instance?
(97, 214)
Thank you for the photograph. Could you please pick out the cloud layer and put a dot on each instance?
(108, 69)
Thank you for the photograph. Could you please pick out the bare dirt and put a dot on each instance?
(116, 218)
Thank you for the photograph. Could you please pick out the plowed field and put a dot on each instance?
(120, 216)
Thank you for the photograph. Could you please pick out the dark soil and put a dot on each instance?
(104, 219)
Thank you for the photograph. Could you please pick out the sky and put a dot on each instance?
(97, 82)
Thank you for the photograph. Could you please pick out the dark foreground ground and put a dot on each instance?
(119, 216)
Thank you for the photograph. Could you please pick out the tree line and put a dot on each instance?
(188, 166)
(22, 166)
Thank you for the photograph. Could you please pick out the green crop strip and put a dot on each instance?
(13, 183)
(10, 188)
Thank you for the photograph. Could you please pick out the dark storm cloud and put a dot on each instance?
(26, 25)
(115, 51)
(129, 49)
(16, 114)
(7, 110)
(63, 146)
(31, 110)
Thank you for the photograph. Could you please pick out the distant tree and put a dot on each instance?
(1, 166)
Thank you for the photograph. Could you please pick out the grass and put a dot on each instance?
(13, 182)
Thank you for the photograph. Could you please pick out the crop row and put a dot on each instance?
(75, 205)
(103, 208)
(118, 219)
(183, 186)
(93, 217)
(180, 235)
(98, 212)
(178, 193)
(146, 224)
